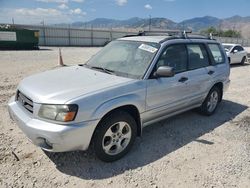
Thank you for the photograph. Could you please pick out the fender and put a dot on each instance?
(130, 99)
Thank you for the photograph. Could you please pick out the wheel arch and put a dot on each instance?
(131, 110)
(220, 86)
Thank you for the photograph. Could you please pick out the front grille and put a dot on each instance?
(25, 101)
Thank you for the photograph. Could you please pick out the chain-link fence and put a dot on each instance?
(68, 36)
(241, 41)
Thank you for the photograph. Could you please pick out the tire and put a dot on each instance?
(211, 102)
(114, 136)
(243, 60)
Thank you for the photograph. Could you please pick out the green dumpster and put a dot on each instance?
(17, 38)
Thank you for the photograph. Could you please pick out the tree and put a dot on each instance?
(221, 33)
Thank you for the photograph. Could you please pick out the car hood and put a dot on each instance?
(61, 85)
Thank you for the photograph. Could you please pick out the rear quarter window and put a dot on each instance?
(217, 55)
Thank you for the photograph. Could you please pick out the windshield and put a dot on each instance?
(125, 58)
(227, 47)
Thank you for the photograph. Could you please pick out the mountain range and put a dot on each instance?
(238, 23)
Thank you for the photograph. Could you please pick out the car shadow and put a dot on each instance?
(156, 142)
(239, 65)
(25, 49)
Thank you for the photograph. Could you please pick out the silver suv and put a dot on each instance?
(131, 83)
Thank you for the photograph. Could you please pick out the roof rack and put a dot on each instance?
(156, 33)
(173, 34)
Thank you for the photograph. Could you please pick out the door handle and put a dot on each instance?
(183, 79)
(210, 72)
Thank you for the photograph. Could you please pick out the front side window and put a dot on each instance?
(125, 58)
(216, 53)
(227, 47)
(198, 57)
(174, 56)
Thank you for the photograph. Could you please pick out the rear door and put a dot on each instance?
(241, 53)
(198, 74)
(219, 69)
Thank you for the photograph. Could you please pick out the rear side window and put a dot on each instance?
(238, 48)
(217, 55)
(174, 56)
(198, 57)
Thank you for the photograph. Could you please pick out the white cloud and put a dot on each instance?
(148, 6)
(63, 6)
(121, 2)
(35, 16)
(53, 1)
(38, 12)
(78, 1)
(78, 11)
(169, 0)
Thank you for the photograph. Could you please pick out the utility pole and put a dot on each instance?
(149, 25)
(69, 35)
(44, 34)
(13, 21)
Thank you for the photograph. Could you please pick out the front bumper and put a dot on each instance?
(49, 136)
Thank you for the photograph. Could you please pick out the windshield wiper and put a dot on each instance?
(98, 68)
(103, 69)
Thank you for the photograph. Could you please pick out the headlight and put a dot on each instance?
(63, 113)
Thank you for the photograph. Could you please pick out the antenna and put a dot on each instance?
(211, 36)
(184, 33)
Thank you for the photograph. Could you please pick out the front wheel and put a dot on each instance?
(114, 136)
(211, 102)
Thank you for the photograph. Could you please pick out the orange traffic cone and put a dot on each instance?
(60, 58)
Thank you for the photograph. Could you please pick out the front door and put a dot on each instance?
(167, 95)
(236, 54)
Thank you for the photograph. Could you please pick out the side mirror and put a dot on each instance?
(164, 71)
(235, 51)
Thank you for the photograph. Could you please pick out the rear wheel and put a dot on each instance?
(114, 136)
(243, 60)
(211, 102)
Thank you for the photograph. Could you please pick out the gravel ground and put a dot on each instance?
(188, 150)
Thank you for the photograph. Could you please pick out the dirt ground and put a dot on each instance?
(188, 150)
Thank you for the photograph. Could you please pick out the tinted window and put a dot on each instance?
(216, 53)
(174, 56)
(197, 56)
(238, 48)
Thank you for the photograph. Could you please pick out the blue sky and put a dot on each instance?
(67, 11)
